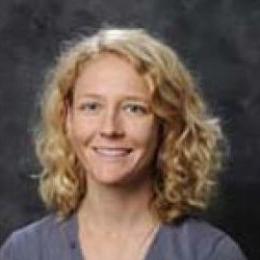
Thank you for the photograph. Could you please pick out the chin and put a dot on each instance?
(119, 171)
(106, 178)
(115, 178)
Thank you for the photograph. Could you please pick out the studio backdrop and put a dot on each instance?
(218, 40)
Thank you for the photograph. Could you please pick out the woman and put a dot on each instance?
(129, 155)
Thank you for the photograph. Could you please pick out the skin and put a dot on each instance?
(114, 134)
(111, 125)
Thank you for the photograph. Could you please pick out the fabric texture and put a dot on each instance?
(191, 239)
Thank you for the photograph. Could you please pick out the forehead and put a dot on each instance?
(110, 72)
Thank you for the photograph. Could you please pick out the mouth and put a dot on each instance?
(113, 152)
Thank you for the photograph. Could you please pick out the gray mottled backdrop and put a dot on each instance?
(219, 40)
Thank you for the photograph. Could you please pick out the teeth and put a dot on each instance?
(112, 151)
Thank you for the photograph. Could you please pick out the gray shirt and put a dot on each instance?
(191, 239)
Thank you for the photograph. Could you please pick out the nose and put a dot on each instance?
(111, 125)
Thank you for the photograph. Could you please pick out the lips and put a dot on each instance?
(112, 152)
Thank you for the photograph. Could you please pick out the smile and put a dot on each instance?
(112, 152)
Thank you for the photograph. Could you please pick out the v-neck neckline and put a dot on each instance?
(74, 238)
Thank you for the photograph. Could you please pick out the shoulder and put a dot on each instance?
(195, 237)
(26, 243)
(39, 227)
(36, 230)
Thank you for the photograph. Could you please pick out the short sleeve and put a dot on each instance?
(227, 249)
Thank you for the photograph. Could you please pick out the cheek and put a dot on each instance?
(80, 137)
(81, 131)
(145, 135)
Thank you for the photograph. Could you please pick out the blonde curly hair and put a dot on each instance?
(191, 140)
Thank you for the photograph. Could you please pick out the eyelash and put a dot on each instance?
(131, 108)
(90, 106)
(136, 109)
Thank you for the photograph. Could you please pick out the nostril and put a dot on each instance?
(111, 126)
(112, 134)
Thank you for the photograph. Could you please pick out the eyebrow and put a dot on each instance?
(128, 97)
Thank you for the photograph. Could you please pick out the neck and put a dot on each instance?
(116, 208)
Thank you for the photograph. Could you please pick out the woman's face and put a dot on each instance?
(110, 123)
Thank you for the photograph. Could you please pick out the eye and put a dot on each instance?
(136, 109)
(90, 106)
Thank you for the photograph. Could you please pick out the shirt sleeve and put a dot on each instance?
(227, 249)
